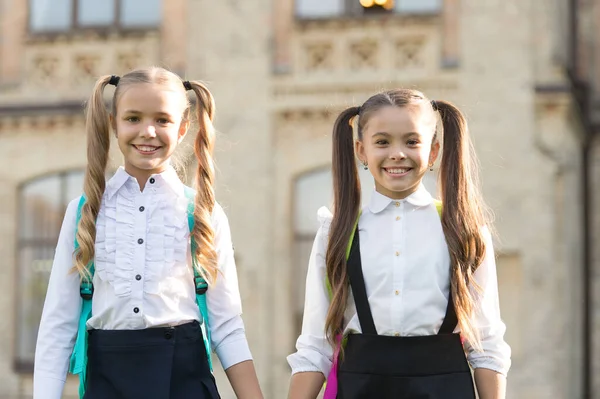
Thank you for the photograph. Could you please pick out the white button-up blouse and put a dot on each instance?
(405, 263)
(143, 276)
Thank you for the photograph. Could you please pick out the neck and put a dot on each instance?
(396, 195)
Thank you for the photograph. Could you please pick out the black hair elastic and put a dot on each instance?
(434, 105)
(358, 110)
(187, 85)
(114, 80)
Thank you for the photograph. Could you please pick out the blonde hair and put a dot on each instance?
(98, 145)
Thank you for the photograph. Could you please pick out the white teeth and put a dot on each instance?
(146, 148)
(397, 171)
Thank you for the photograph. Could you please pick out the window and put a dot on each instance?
(42, 206)
(312, 191)
(335, 8)
(319, 8)
(64, 15)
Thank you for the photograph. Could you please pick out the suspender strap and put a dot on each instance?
(359, 290)
(450, 319)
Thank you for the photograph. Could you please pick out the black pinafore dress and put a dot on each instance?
(385, 367)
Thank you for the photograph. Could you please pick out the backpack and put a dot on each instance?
(78, 361)
(331, 381)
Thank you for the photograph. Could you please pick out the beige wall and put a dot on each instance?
(278, 84)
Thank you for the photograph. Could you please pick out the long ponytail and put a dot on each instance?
(463, 215)
(203, 234)
(346, 188)
(98, 145)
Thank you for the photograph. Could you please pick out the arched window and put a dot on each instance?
(42, 205)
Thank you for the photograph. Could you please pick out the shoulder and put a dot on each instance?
(218, 213)
(324, 217)
(73, 208)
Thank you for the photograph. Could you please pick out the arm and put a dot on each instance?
(490, 384)
(306, 385)
(58, 326)
(225, 321)
(313, 359)
(491, 364)
(242, 377)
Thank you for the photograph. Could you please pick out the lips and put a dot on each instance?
(146, 149)
(397, 171)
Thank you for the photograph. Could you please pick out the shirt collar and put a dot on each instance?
(419, 198)
(167, 178)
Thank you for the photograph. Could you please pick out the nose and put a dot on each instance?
(148, 131)
(397, 153)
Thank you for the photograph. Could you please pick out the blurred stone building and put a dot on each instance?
(526, 73)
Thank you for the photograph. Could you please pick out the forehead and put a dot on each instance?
(151, 98)
(399, 120)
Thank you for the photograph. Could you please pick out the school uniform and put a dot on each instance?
(144, 334)
(401, 326)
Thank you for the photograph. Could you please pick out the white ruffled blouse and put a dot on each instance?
(143, 276)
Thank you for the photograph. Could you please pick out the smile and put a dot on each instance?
(397, 172)
(146, 149)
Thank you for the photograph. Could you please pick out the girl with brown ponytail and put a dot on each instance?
(402, 294)
(144, 281)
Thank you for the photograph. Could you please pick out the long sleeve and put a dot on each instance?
(58, 326)
(314, 353)
(223, 300)
(495, 354)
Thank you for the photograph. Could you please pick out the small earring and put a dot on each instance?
(431, 167)
(365, 165)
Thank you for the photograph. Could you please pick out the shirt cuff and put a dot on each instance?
(47, 387)
(301, 364)
(233, 349)
(487, 362)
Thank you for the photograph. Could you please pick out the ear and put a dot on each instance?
(435, 150)
(359, 149)
(183, 129)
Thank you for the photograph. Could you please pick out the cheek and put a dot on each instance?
(170, 136)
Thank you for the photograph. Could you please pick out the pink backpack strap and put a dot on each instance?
(332, 383)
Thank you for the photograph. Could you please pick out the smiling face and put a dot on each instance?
(398, 145)
(149, 125)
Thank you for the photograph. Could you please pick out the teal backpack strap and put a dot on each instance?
(78, 363)
(199, 281)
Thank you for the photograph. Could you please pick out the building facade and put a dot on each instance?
(524, 72)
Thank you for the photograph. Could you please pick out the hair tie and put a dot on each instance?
(187, 85)
(358, 110)
(434, 105)
(114, 80)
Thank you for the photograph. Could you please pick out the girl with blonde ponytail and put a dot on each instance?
(144, 281)
(398, 291)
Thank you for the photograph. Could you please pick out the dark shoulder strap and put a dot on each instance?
(359, 290)
(450, 319)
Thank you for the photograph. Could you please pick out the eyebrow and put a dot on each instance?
(134, 111)
(386, 134)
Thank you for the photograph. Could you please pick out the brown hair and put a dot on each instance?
(463, 215)
(98, 144)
